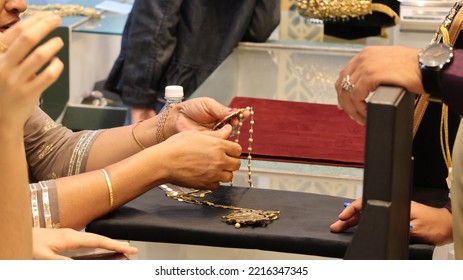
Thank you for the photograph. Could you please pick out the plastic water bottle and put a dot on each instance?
(173, 95)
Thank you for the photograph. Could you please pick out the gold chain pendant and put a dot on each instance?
(239, 114)
(252, 217)
(240, 216)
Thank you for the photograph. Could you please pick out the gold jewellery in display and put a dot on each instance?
(239, 216)
(64, 10)
(342, 9)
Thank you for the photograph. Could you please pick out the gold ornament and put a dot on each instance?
(64, 10)
(240, 216)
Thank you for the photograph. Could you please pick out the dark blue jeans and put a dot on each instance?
(182, 42)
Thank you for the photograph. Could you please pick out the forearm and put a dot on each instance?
(116, 144)
(85, 197)
(15, 213)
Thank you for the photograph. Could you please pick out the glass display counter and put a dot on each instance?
(91, 47)
(299, 63)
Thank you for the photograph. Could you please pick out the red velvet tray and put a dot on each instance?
(302, 132)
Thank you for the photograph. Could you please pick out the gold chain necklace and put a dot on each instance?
(64, 10)
(240, 216)
(237, 131)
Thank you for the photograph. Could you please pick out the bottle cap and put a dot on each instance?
(173, 92)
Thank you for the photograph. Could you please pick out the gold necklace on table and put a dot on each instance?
(64, 10)
(239, 216)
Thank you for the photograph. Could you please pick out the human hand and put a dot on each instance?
(48, 243)
(140, 114)
(200, 159)
(26, 69)
(197, 114)
(430, 225)
(349, 216)
(375, 66)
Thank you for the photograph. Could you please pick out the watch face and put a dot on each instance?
(436, 55)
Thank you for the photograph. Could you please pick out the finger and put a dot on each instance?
(226, 176)
(352, 102)
(245, 114)
(363, 87)
(40, 57)
(347, 70)
(24, 36)
(223, 133)
(413, 225)
(216, 109)
(94, 241)
(220, 111)
(233, 164)
(351, 210)
(340, 226)
(48, 76)
(231, 148)
(214, 185)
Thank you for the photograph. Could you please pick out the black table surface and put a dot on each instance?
(303, 226)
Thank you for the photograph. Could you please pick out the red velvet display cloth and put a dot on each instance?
(302, 132)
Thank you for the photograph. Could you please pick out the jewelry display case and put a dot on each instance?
(298, 64)
(91, 47)
(423, 15)
(309, 196)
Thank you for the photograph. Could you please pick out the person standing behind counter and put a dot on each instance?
(370, 69)
(179, 42)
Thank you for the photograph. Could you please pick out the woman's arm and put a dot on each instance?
(111, 146)
(21, 86)
(15, 207)
(193, 159)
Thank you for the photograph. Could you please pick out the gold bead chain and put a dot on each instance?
(240, 216)
(64, 10)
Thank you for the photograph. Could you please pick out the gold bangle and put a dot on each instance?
(135, 137)
(110, 189)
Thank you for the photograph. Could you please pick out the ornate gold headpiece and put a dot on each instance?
(327, 10)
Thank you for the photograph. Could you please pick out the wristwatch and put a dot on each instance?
(432, 60)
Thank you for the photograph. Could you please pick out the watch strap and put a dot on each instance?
(431, 80)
